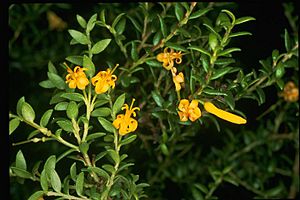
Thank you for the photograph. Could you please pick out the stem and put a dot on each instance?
(89, 164)
(66, 196)
(214, 187)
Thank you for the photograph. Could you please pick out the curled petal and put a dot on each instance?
(183, 105)
(193, 104)
(117, 122)
(183, 116)
(194, 114)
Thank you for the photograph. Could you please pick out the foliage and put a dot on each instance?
(174, 60)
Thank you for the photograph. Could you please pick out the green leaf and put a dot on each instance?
(136, 25)
(50, 163)
(66, 125)
(239, 34)
(100, 46)
(230, 14)
(201, 187)
(28, 112)
(102, 16)
(100, 155)
(200, 49)
(229, 100)
(279, 70)
(99, 172)
(79, 183)
(261, 95)
(95, 136)
(212, 118)
(87, 63)
(47, 84)
(73, 96)
(13, 125)
(220, 72)
(109, 168)
(120, 27)
(55, 181)
(21, 173)
(205, 62)
(73, 172)
(101, 112)
(179, 12)
(157, 98)
(36, 196)
(61, 106)
(79, 36)
(128, 139)
(20, 161)
(164, 149)
(153, 63)
(175, 46)
(134, 53)
(72, 110)
(56, 80)
(199, 13)
(114, 155)
(77, 60)
(210, 28)
(117, 19)
(46, 117)
(213, 41)
(118, 104)
(91, 23)
(228, 51)
(163, 26)
(44, 181)
(243, 20)
(81, 21)
(107, 125)
(20, 105)
(64, 154)
(230, 180)
(287, 41)
(156, 38)
(84, 147)
(213, 92)
(51, 68)
(280, 83)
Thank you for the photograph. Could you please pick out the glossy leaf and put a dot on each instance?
(101, 112)
(73, 171)
(128, 139)
(91, 23)
(20, 161)
(228, 51)
(157, 98)
(79, 36)
(107, 125)
(243, 20)
(73, 96)
(51, 68)
(200, 49)
(179, 12)
(36, 196)
(28, 112)
(46, 84)
(120, 27)
(77, 60)
(46, 117)
(13, 125)
(56, 80)
(117, 19)
(100, 46)
(163, 27)
(175, 46)
(79, 183)
(99, 172)
(236, 34)
(113, 154)
(87, 63)
(61, 106)
(81, 21)
(20, 105)
(199, 13)
(44, 181)
(55, 180)
(287, 41)
(136, 25)
(95, 136)
(72, 110)
(66, 125)
(213, 92)
(220, 73)
(118, 104)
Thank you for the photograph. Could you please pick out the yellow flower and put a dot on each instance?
(177, 80)
(188, 110)
(104, 80)
(77, 78)
(125, 123)
(167, 58)
(290, 92)
(211, 108)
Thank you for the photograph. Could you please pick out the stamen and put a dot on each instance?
(114, 68)
(133, 100)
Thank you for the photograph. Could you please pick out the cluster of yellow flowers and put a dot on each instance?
(186, 109)
(290, 92)
(167, 58)
(102, 81)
